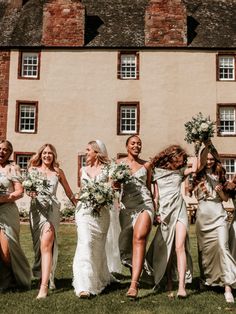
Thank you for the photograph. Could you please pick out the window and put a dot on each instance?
(128, 65)
(226, 67)
(229, 164)
(29, 65)
(22, 159)
(81, 163)
(26, 117)
(128, 118)
(226, 119)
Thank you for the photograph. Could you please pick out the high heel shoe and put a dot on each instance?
(132, 293)
(43, 292)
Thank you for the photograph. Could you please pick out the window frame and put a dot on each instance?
(17, 121)
(80, 165)
(225, 54)
(20, 63)
(128, 104)
(219, 106)
(119, 76)
(228, 156)
(17, 154)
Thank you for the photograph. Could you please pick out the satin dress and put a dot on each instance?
(45, 209)
(232, 234)
(90, 269)
(217, 265)
(172, 209)
(136, 198)
(19, 273)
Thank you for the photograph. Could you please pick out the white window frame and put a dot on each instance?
(226, 66)
(32, 120)
(128, 66)
(29, 65)
(229, 163)
(123, 120)
(230, 119)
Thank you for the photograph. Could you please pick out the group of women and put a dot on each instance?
(152, 196)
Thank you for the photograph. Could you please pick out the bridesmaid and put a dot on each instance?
(137, 212)
(172, 236)
(14, 267)
(45, 216)
(217, 266)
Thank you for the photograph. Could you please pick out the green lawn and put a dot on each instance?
(113, 300)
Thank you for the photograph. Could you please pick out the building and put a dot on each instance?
(72, 71)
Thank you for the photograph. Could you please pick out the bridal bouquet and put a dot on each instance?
(4, 182)
(96, 195)
(120, 173)
(35, 181)
(199, 129)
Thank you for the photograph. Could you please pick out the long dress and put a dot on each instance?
(19, 272)
(232, 233)
(44, 209)
(136, 198)
(90, 270)
(172, 209)
(217, 265)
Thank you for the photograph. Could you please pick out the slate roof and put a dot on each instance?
(120, 23)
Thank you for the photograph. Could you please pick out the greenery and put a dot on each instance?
(113, 300)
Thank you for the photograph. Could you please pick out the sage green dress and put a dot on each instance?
(217, 265)
(44, 209)
(136, 198)
(232, 233)
(19, 273)
(172, 208)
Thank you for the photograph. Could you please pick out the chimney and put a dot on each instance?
(63, 23)
(166, 24)
(14, 4)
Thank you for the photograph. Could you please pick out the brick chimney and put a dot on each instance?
(166, 23)
(63, 23)
(4, 86)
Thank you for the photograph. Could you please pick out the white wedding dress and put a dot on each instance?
(90, 269)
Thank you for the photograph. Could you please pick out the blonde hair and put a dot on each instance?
(36, 160)
(103, 158)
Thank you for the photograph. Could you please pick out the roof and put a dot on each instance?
(120, 23)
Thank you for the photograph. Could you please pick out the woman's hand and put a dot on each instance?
(218, 188)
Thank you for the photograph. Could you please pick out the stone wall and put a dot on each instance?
(4, 86)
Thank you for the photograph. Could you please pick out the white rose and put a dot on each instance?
(99, 198)
(27, 184)
(194, 131)
(85, 195)
(204, 127)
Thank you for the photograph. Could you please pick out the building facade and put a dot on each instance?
(73, 71)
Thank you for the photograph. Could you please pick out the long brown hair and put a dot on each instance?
(166, 159)
(36, 160)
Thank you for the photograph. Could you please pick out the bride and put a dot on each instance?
(90, 270)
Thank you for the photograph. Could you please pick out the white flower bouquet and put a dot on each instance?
(120, 173)
(4, 183)
(96, 195)
(35, 181)
(199, 129)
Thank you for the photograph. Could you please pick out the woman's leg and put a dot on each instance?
(4, 249)
(141, 231)
(180, 237)
(46, 247)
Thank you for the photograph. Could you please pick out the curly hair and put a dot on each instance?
(166, 159)
(36, 160)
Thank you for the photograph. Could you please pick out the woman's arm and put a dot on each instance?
(147, 165)
(193, 168)
(15, 195)
(66, 187)
(219, 189)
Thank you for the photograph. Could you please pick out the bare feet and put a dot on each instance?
(133, 290)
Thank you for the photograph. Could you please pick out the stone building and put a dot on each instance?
(72, 71)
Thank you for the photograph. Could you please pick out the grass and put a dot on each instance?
(113, 299)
